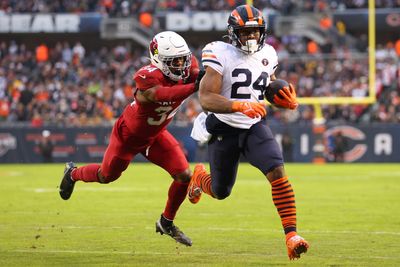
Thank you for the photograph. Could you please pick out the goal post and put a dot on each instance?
(319, 121)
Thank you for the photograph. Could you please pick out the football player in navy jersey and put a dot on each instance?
(231, 91)
(161, 87)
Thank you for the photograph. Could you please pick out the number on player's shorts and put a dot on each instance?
(258, 85)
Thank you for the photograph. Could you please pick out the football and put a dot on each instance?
(273, 89)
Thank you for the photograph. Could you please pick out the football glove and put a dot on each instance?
(288, 98)
(250, 109)
(198, 79)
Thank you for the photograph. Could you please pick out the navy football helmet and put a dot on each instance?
(246, 16)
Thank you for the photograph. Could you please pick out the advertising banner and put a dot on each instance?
(369, 143)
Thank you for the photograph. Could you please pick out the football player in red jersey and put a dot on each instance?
(161, 87)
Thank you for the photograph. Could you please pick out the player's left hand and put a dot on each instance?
(194, 72)
(288, 99)
(198, 79)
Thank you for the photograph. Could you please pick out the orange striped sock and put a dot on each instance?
(204, 181)
(284, 200)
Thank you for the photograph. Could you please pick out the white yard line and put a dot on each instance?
(304, 231)
(182, 252)
(225, 229)
(91, 189)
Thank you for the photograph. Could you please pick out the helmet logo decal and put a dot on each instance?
(264, 61)
(154, 46)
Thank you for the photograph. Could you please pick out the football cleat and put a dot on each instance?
(67, 184)
(174, 232)
(296, 245)
(194, 189)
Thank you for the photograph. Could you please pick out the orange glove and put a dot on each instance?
(289, 98)
(250, 109)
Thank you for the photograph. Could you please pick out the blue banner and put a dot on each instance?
(367, 143)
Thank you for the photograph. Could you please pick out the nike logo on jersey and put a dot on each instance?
(142, 76)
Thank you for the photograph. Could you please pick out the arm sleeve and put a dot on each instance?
(145, 81)
(177, 92)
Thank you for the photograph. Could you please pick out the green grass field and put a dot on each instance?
(349, 213)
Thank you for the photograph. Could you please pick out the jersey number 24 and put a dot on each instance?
(259, 85)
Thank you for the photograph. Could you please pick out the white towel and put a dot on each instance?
(199, 131)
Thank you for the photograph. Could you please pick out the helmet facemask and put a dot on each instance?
(176, 68)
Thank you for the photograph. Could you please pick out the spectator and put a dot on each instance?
(42, 53)
(339, 147)
(46, 147)
(287, 147)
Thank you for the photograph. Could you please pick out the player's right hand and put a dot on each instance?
(250, 109)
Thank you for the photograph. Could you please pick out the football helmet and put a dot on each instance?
(246, 16)
(170, 53)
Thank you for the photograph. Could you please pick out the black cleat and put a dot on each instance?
(67, 184)
(174, 232)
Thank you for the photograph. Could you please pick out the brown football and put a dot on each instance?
(273, 89)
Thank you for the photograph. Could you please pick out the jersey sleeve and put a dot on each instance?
(211, 57)
(273, 59)
(146, 79)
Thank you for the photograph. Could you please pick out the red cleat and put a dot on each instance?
(194, 189)
(296, 245)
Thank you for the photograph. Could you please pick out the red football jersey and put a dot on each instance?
(148, 119)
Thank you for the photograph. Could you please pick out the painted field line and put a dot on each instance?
(91, 189)
(304, 231)
(138, 252)
(218, 229)
(184, 253)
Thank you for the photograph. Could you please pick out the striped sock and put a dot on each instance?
(284, 200)
(204, 181)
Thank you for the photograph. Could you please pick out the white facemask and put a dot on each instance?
(250, 46)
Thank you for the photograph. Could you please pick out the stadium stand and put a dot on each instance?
(123, 8)
(79, 79)
(72, 86)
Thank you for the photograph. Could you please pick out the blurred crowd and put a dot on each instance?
(343, 73)
(122, 8)
(65, 85)
(70, 86)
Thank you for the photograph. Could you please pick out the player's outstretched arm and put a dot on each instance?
(177, 92)
(166, 93)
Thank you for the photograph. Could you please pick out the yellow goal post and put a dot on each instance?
(371, 98)
(319, 121)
